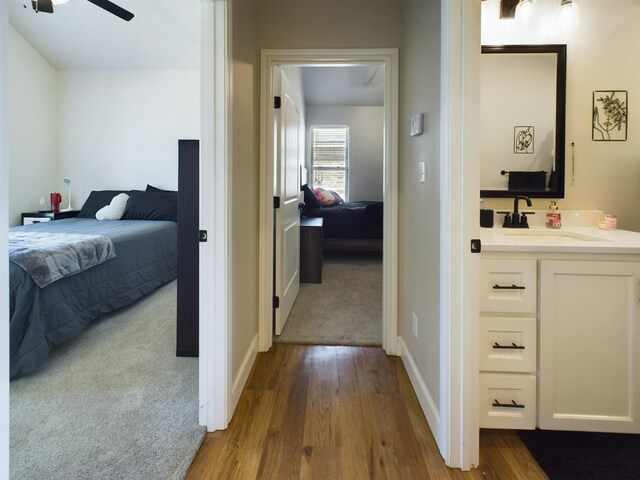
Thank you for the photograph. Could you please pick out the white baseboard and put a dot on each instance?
(422, 392)
(243, 374)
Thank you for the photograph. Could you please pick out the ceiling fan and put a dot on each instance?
(46, 6)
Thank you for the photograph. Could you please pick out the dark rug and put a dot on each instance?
(584, 456)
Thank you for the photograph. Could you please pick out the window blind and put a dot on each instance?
(330, 158)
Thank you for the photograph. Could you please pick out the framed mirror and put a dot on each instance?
(522, 112)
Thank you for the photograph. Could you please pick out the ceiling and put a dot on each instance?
(163, 35)
(354, 85)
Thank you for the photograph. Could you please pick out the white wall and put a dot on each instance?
(517, 90)
(120, 130)
(419, 272)
(4, 266)
(366, 137)
(598, 58)
(33, 103)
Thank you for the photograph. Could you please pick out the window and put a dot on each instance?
(330, 159)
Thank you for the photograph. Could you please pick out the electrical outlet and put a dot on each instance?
(414, 324)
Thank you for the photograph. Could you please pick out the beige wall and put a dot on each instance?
(245, 182)
(600, 56)
(419, 272)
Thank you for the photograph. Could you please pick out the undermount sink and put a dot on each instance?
(555, 236)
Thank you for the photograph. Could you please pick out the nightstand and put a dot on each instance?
(39, 217)
(311, 250)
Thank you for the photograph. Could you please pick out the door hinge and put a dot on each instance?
(276, 302)
(277, 102)
(476, 245)
(276, 202)
(202, 235)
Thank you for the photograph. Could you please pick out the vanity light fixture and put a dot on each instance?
(523, 10)
(568, 11)
(59, 2)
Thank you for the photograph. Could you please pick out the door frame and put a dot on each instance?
(215, 325)
(458, 438)
(282, 57)
(4, 248)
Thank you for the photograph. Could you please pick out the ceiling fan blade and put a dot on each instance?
(113, 8)
(45, 6)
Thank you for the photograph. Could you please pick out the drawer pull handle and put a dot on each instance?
(507, 287)
(513, 404)
(513, 346)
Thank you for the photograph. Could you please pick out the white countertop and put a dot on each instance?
(566, 239)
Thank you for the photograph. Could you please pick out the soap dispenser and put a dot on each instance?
(486, 215)
(553, 216)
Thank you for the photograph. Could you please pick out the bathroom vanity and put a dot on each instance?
(560, 328)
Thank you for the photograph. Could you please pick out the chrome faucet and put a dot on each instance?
(517, 219)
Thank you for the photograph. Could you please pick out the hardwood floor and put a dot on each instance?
(318, 412)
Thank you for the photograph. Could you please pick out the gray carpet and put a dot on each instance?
(114, 403)
(345, 309)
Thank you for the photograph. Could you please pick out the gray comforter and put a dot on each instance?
(48, 257)
(43, 318)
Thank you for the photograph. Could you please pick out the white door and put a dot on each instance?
(589, 373)
(287, 231)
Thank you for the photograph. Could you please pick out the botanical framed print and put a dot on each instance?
(610, 115)
(523, 139)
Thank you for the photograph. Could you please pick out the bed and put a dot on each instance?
(42, 318)
(350, 226)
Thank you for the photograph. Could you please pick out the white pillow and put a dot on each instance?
(115, 209)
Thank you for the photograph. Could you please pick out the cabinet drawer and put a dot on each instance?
(508, 344)
(507, 401)
(30, 220)
(508, 286)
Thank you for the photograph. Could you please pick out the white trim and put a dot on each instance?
(422, 391)
(243, 373)
(4, 252)
(459, 184)
(215, 327)
(388, 58)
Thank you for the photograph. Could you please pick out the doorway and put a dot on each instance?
(271, 60)
(340, 153)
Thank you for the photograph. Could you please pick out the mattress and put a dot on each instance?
(350, 220)
(43, 318)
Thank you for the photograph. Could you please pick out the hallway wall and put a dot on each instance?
(419, 275)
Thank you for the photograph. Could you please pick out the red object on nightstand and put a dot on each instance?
(56, 200)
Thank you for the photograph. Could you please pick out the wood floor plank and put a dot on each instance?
(323, 412)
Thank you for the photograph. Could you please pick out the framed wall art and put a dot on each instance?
(610, 115)
(523, 140)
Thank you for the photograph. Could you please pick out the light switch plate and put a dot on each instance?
(422, 173)
(417, 125)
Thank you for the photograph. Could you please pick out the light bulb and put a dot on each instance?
(568, 11)
(524, 9)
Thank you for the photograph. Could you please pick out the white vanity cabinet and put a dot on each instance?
(589, 345)
(508, 343)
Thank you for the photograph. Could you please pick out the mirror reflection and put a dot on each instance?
(522, 110)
